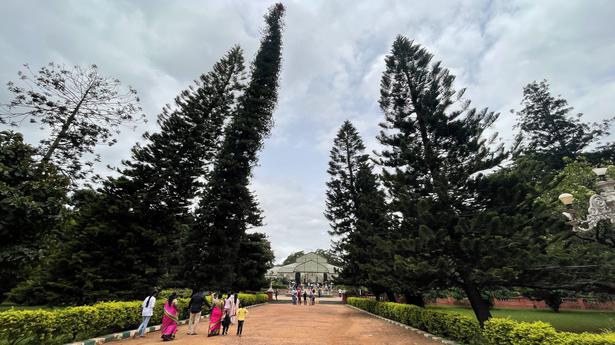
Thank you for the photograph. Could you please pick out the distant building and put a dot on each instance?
(309, 268)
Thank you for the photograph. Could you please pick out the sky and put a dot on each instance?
(333, 59)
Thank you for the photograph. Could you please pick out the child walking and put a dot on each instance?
(241, 317)
(226, 322)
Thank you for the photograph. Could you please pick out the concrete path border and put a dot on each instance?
(415, 330)
(127, 334)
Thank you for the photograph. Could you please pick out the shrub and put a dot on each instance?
(500, 331)
(74, 323)
(448, 325)
(497, 331)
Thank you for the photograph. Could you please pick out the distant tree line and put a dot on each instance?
(177, 213)
(445, 205)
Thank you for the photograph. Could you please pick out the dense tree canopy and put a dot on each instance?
(32, 199)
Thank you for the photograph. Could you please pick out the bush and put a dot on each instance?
(500, 331)
(74, 323)
(497, 331)
(448, 325)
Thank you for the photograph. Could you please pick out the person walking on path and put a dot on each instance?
(170, 318)
(147, 311)
(312, 296)
(299, 295)
(234, 308)
(228, 303)
(293, 295)
(226, 323)
(276, 294)
(215, 318)
(305, 297)
(197, 301)
(241, 318)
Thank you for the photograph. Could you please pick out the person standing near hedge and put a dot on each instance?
(170, 318)
(147, 310)
(197, 301)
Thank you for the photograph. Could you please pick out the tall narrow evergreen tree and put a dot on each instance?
(124, 235)
(434, 143)
(228, 208)
(357, 212)
(347, 157)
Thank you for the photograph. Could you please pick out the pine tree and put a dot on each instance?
(228, 208)
(134, 223)
(357, 212)
(346, 158)
(255, 259)
(549, 132)
(434, 143)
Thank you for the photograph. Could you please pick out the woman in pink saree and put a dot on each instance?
(170, 318)
(215, 320)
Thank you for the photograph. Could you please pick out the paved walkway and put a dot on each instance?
(275, 324)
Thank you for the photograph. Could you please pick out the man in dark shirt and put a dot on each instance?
(197, 301)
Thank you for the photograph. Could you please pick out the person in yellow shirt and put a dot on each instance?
(241, 317)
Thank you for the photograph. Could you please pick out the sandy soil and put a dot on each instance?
(276, 324)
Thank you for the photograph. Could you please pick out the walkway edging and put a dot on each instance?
(410, 328)
(127, 334)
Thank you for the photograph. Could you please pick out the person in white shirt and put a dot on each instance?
(147, 310)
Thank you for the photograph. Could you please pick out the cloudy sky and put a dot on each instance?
(333, 59)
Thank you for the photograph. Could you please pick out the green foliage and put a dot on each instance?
(464, 329)
(255, 258)
(77, 107)
(77, 323)
(547, 129)
(31, 206)
(292, 258)
(500, 331)
(125, 237)
(448, 325)
(227, 207)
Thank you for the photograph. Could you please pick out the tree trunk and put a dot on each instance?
(391, 296)
(414, 299)
(479, 305)
(65, 126)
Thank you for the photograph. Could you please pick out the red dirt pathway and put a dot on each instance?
(276, 324)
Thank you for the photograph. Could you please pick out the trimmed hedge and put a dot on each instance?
(500, 331)
(452, 326)
(464, 329)
(75, 323)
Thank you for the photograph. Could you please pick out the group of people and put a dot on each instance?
(222, 314)
(297, 293)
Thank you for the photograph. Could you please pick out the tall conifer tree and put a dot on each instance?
(346, 158)
(124, 235)
(228, 208)
(357, 212)
(434, 143)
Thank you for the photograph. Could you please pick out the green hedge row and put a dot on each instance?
(464, 329)
(499, 331)
(447, 325)
(75, 323)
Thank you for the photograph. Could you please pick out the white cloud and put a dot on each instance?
(333, 59)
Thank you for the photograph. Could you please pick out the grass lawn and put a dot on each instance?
(566, 320)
